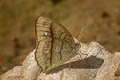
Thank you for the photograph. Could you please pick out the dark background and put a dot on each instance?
(17, 20)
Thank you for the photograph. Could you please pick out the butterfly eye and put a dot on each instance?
(77, 45)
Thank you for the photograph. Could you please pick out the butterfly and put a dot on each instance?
(54, 44)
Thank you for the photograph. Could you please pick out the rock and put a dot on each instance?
(30, 69)
(107, 70)
(13, 74)
(93, 62)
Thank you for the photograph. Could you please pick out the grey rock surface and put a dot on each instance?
(93, 62)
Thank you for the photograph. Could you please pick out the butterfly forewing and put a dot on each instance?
(54, 44)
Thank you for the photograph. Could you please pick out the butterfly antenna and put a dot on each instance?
(81, 34)
(83, 31)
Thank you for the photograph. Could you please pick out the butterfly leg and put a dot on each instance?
(100, 52)
(81, 54)
(69, 66)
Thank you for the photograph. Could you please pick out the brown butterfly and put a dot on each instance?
(55, 45)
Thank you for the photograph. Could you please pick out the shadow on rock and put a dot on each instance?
(91, 62)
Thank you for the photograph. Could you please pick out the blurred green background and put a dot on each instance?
(17, 20)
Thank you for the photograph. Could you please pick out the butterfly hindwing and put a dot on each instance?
(54, 44)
